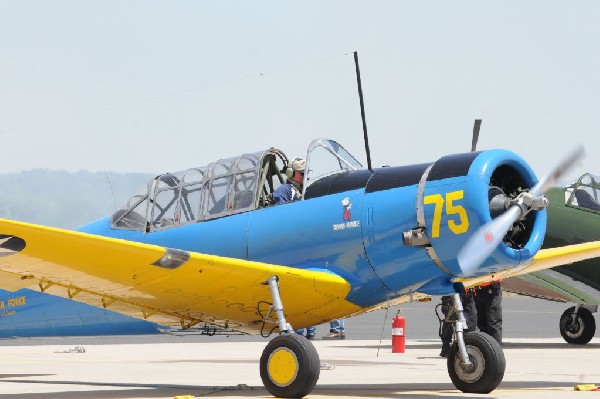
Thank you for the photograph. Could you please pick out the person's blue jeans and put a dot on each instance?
(309, 331)
(336, 326)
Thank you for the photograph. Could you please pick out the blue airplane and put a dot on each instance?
(208, 246)
(28, 313)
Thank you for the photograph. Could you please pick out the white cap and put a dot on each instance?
(298, 164)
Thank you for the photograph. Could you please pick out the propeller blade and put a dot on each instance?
(476, 127)
(485, 240)
(550, 179)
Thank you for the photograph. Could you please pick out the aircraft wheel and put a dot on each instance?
(289, 366)
(488, 364)
(579, 331)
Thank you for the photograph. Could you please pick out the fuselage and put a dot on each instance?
(573, 218)
(27, 313)
(352, 224)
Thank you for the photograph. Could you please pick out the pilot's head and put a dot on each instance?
(296, 170)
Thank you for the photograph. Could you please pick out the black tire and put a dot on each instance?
(488, 364)
(290, 366)
(579, 331)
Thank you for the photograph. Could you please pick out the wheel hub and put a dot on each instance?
(471, 372)
(575, 328)
(283, 366)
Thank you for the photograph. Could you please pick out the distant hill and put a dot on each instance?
(65, 199)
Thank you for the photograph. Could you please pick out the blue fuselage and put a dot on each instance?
(352, 225)
(27, 313)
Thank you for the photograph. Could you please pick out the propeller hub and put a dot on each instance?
(499, 201)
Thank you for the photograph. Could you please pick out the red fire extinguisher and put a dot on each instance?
(398, 333)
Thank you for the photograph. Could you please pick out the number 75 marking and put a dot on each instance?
(451, 209)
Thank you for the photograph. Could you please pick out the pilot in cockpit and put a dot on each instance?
(291, 190)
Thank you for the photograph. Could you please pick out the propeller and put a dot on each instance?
(487, 238)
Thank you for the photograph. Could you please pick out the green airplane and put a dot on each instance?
(573, 217)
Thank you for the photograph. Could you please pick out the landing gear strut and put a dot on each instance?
(476, 361)
(289, 365)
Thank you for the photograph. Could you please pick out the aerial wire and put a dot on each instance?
(111, 191)
(172, 94)
(382, 329)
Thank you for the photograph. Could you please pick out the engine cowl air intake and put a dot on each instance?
(461, 193)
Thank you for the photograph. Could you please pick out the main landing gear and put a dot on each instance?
(577, 325)
(476, 361)
(289, 365)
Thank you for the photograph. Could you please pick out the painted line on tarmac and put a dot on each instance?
(454, 392)
(533, 390)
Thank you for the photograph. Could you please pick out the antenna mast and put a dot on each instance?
(362, 111)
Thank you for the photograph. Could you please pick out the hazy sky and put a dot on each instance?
(154, 86)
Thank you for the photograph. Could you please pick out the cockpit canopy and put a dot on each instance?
(585, 193)
(224, 188)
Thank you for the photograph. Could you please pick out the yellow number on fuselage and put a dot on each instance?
(451, 209)
(438, 200)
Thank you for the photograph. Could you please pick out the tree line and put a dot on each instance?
(65, 199)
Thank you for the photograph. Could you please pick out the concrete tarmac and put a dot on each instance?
(167, 366)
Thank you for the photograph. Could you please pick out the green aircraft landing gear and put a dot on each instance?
(289, 365)
(577, 325)
(476, 361)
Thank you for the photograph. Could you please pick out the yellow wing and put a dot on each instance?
(173, 288)
(544, 259)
